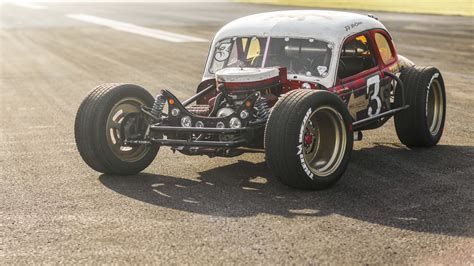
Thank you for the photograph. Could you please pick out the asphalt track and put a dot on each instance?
(394, 205)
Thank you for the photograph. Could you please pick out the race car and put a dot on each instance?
(299, 86)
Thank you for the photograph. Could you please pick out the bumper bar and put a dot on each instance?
(199, 143)
(200, 130)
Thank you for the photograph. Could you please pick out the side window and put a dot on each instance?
(356, 56)
(238, 52)
(384, 48)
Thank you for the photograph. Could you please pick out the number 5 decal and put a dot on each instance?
(373, 90)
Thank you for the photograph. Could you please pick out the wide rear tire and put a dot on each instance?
(97, 129)
(422, 124)
(308, 139)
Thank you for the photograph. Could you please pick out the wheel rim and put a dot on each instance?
(324, 141)
(434, 107)
(114, 140)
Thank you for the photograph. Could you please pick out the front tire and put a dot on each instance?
(97, 129)
(308, 139)
(422, 124)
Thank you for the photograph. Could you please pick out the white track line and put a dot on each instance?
(132, 28)
(29, 5)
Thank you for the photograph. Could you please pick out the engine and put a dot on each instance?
(236, 84)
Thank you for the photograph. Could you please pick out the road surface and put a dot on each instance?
(394, 205)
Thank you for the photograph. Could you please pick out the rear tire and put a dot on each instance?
(97, 129)
(422, 124)
(308, 139)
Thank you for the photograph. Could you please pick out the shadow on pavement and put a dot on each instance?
(424, 190)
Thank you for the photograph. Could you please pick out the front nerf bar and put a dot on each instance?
(168, 130)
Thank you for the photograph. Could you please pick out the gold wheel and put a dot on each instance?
(114, 122)
(324, 141)
(434, 107)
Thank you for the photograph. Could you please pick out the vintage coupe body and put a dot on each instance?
(299, 86)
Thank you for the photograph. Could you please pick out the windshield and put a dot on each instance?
(309, 57)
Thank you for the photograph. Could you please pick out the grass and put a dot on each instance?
(442, 7)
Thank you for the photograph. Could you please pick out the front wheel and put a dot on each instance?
(98, 125)
(308, 139)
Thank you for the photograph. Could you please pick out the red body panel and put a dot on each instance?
(366, 93)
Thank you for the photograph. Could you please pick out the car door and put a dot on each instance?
(359, 76)
(387, 58)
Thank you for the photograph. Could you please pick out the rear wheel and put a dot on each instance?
(98, 124)
(423, 123)
(308, 139)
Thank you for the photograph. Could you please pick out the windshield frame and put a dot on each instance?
(268, 40)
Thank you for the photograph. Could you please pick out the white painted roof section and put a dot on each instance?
(330, 26)
(324, 25)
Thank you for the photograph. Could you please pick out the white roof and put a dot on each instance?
(330, 26)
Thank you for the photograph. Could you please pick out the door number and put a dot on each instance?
(373, 90)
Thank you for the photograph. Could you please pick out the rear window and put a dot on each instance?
(384, 48)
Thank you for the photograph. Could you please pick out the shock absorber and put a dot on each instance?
(158, 105)
(262, 108)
